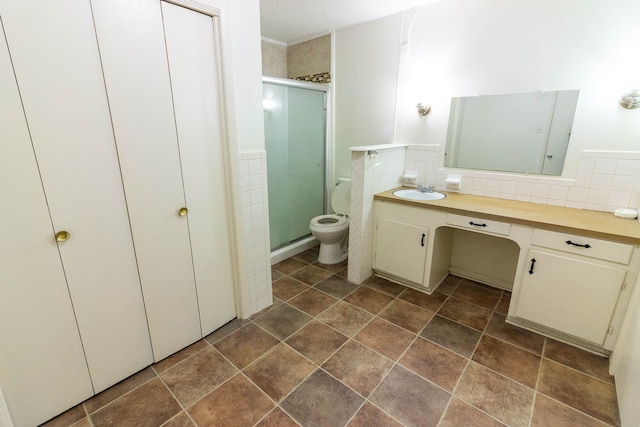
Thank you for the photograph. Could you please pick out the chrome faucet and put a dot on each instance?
(426, 188)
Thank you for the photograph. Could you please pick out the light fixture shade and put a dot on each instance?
(423, 109)
(631, 100)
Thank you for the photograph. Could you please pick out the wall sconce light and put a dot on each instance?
(631, 100)
(423, 109)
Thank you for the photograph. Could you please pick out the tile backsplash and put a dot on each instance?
(606, 180)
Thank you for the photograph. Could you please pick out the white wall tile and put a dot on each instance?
(255, 217)
(605, 166)
(617, 199)
(541, 191)
(617, 171)
(577, 195)
(623, 183)
(558, 192)
(597, 197)
(601, 181)
(508, 188)
(627, 167)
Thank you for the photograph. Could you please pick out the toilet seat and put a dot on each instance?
(329, 221)
(331, 230)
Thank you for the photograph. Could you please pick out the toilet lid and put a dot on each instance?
(341, 198)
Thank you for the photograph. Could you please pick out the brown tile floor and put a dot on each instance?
(329, 353)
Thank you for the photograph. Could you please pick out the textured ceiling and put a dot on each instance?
(293, 21)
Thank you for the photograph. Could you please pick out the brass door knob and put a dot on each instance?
(63, 236)
(183, 211)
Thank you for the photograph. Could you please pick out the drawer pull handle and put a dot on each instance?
(477, 225)
(422, 241)
(569, 242)
(533, 261)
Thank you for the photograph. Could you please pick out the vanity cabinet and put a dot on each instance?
(401, 249)
(404, 241)
(572, 284)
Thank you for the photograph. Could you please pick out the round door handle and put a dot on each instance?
(183, 211)
(63, 236)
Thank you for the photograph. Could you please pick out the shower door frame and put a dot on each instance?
(329, 179)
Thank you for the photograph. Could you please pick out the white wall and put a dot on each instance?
(467, 47)
(242, 44)
(365, 75)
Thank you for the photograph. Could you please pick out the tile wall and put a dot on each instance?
(369, 175)
(255, 225)
(606, 180)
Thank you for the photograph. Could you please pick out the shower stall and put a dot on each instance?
(295, 121)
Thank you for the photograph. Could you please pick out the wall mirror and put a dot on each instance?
(518, 132)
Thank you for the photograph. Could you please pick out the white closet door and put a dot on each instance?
(43, 370)
(56, 62)
(133, 52)
(194, 80)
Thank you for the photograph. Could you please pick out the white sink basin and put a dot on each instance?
(417, 195)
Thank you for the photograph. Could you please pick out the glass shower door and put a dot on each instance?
(295, 142)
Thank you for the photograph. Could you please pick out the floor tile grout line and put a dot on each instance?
(469, 363)
(483, 332)
(123, 394)
(182, 407)
(575, 409)
(612, 384)
(352, 337)
(499, 374)
(493, 335)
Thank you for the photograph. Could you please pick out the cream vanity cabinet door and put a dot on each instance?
(164, 112)
(573, 296)
(43, 370)
(401, 249)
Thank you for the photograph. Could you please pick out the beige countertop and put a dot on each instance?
(603, 225)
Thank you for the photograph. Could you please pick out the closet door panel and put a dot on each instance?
(56, 62)
(131, 40)
(194, 77)
(39, 339)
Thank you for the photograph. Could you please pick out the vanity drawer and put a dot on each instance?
(580, 245)
(479, 224)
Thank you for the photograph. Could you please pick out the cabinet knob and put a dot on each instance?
(183, 211)
(63, 236)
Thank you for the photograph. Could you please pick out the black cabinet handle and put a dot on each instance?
(422, 241)
(569, 242)
(533, 261)
(477, 225)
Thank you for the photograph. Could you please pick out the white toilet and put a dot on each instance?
(331, 230)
